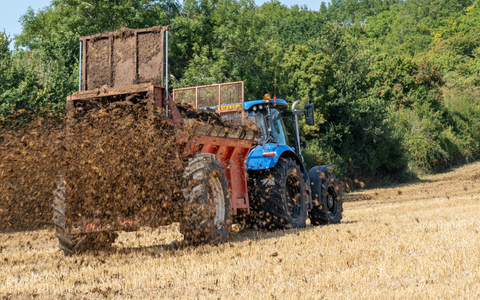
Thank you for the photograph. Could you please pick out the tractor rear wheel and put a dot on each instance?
(207, 214)
(279, 196)
(329, 206)
(71, 244)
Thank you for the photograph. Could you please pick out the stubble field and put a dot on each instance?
(417, 241)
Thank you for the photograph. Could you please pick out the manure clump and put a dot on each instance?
(116, 164)
(120, 162)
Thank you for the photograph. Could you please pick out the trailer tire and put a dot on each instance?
(72, 244)
(279, 197)
(207, 213)
(328, 207)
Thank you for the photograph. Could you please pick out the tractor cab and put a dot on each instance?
(278, 125)
(268, 116)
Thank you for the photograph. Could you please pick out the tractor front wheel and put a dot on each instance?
(328, 205)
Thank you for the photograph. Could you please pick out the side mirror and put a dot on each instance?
(304, 144)
(309, 115)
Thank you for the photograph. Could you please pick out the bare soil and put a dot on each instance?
(414, 241)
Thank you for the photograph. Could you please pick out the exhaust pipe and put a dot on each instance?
(296, 128)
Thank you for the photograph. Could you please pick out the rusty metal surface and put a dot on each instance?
(122, 58)
(155, 93)
(177, 117)
(158, 95)
(232, 154)
(107, 92)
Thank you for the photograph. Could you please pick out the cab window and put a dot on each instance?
(278, 127)
(259, 119)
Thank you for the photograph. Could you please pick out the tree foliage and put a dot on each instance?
(395, 83)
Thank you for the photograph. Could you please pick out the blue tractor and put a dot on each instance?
(282, 192)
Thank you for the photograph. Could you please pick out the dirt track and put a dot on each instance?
(416, 241)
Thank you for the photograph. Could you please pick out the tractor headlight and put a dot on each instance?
(254, 108)
(260, 106)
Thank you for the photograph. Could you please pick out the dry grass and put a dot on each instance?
(419, 241)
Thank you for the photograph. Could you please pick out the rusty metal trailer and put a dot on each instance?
(114, 66)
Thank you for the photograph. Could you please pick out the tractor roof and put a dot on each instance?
(281, 104)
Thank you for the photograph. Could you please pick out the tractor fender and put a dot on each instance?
(316, 175)
(257, 161)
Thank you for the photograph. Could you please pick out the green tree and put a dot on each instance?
(47, 48)
(407, 26)
(394, 82)
(222, 41)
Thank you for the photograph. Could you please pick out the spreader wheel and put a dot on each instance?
(71, 244)
(207, 214)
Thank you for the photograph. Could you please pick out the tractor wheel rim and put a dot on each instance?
(293, 191)
(218, 198)
(330, 201)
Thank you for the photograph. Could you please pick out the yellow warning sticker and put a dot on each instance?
(233, 106)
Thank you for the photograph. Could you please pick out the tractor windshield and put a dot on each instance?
(259, 119)
(278, 127)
